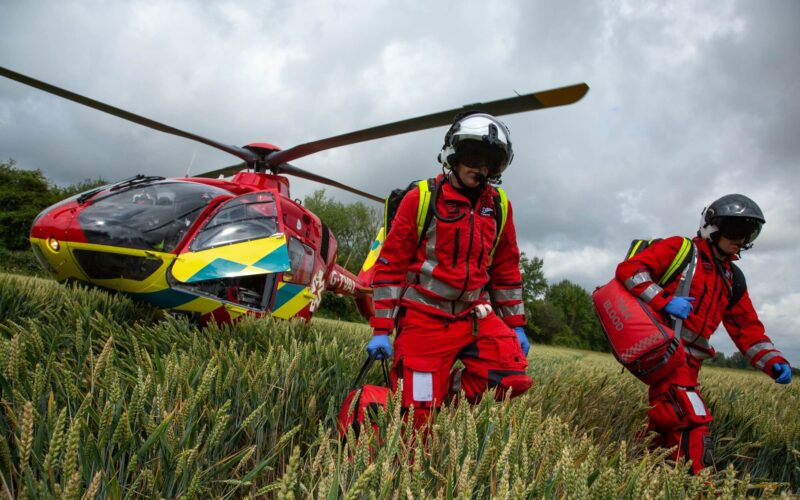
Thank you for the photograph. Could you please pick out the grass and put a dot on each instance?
(103, 397)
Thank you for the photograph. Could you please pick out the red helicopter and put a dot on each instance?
(218, 249)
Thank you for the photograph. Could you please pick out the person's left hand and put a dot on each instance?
(783, 373)
(523, 339)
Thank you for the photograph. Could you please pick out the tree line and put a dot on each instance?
(23, 195)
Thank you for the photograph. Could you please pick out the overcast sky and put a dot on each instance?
(689, 100)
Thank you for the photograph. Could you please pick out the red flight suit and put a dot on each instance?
(428, 292)
(678, 412)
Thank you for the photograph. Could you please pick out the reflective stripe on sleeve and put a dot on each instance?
(506, 311)
(757, 348)
(506, 294)
(650, 292)
(638, 279)
(761, 363)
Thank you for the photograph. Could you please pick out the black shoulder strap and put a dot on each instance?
(739, 285)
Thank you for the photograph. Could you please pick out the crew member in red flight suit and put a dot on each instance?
(678, 413)
(443, 295)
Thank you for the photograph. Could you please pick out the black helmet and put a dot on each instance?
(735, 216)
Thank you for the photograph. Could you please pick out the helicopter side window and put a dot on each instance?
(245, 218)
(301, 257)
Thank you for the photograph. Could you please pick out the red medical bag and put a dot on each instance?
(638, 336)
(369, 399)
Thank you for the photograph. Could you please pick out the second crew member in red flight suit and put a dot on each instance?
(445, 296)
(678, 413)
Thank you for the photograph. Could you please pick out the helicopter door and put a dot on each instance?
(242, 238)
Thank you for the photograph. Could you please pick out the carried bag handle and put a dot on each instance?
(684, 286)
(378, 354)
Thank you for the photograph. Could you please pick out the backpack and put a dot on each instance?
(682, 259)
(425, 212)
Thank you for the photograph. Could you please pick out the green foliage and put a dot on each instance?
(354, 225)
(735, 360)
(546, 323)
(20, 262)
(23, 195)
(339, 307)
(534, 284)
(104, 399)
(576, 305)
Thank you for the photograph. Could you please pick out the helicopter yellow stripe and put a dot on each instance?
(200, 305)
(60, 262)
(289, 308)
(66, 266)
(153, 289)
(265, 255)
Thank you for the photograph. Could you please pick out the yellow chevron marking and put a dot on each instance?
(293, 306)
(245, 253)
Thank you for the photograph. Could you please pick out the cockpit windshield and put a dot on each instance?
(245, 218)
(155, 216)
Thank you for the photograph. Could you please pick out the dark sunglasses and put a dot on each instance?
(746, 230)
(478, 161)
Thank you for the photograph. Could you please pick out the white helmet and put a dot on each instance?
(483, 129)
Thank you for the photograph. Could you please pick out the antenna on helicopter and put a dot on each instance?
(191, 162)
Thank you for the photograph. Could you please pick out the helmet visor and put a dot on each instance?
(739, 228)
(475, 154)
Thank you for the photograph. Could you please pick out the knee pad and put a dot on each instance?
(697, 444)
(513, 384)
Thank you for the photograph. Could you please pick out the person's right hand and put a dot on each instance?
(679, 307)
(378, 342)
(783, 373)
(524, 343)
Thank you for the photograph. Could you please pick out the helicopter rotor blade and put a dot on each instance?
(224, 171)
(529, 102)
(304, 174)
(242, 153)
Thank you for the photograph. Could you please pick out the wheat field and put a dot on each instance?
(103, 397)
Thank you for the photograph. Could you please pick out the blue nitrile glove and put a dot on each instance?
(679, 307)
(783, 373)
(379, 342)
(523, 339)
